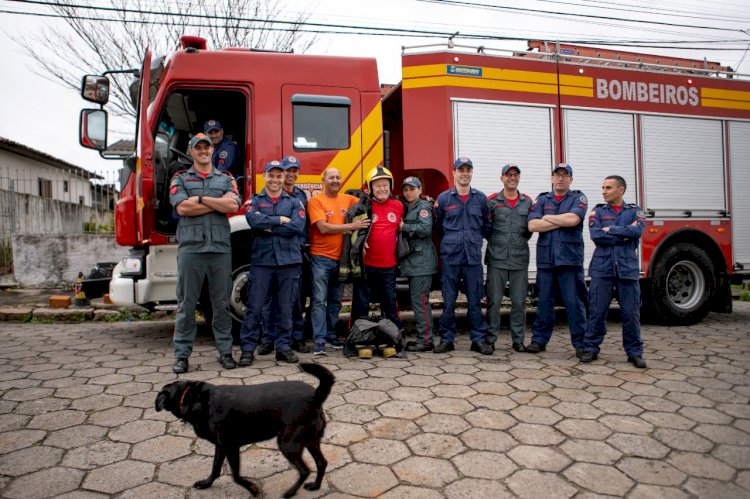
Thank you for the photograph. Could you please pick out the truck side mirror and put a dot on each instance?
(92, 129)
(95, 88)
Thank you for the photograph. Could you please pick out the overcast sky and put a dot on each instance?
(44, 115)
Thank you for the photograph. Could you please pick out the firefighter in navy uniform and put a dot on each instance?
(462, 218)
(202, 196)
(616, 227)
(277, 221)
(225, 151)
(558, 217)
(291, 166)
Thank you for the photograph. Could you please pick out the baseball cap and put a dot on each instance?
(211, 125)
(290, 162)
(412, 181)
(564, 166)
(463, 160)
(509, 166)
(199, 137)
(273, 164)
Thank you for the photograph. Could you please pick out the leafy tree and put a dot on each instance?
(94, 38)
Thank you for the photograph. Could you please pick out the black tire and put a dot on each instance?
(238, 295)
(681, 286)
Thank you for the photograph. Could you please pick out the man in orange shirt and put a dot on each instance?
(327, 213)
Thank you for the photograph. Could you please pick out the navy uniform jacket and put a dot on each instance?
(462, 226)
(225, 156)
(508, 243)
(300, 194)
(562, 246)
(281, 245)
(209, 233)
(616, 253)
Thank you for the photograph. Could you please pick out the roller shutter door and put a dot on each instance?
(494, 134)
(683, 166)
(598, 144)
(739, 156)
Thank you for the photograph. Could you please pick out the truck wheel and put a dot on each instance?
(238, 298)
(682, 285)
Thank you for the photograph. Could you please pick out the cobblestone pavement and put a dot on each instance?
(77, 418)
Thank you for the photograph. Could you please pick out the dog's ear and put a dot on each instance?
(167, 394)
(161, 401)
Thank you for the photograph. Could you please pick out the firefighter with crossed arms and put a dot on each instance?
(291, 166)
(202, 196)
(615, 227)
(277, 221)
(558, 218)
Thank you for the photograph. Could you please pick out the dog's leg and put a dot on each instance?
(320, 463)
(293, 452)
(219, 455)
(233, 456)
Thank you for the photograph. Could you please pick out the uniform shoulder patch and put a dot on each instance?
(641, 214)
(223, 154)
(424, 213)
(583, 199)
(178, 172)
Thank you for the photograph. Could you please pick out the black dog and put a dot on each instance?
(233, 416)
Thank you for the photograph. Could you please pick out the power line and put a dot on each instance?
(370, 30)
(571, 14)
(624, 7)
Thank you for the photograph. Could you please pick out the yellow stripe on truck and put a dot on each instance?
(435, 75)
(726, 99)
(365, 152)
(467, 82)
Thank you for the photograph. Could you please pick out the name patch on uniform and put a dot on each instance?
(452, 207)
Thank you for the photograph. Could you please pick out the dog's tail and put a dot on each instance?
(326, 380)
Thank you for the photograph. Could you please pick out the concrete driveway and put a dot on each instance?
(77, 418)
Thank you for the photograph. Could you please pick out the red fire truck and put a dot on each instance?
(677, 130)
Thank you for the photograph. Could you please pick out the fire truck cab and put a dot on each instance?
(323, 110)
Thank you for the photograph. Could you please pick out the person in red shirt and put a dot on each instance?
(374, 248)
